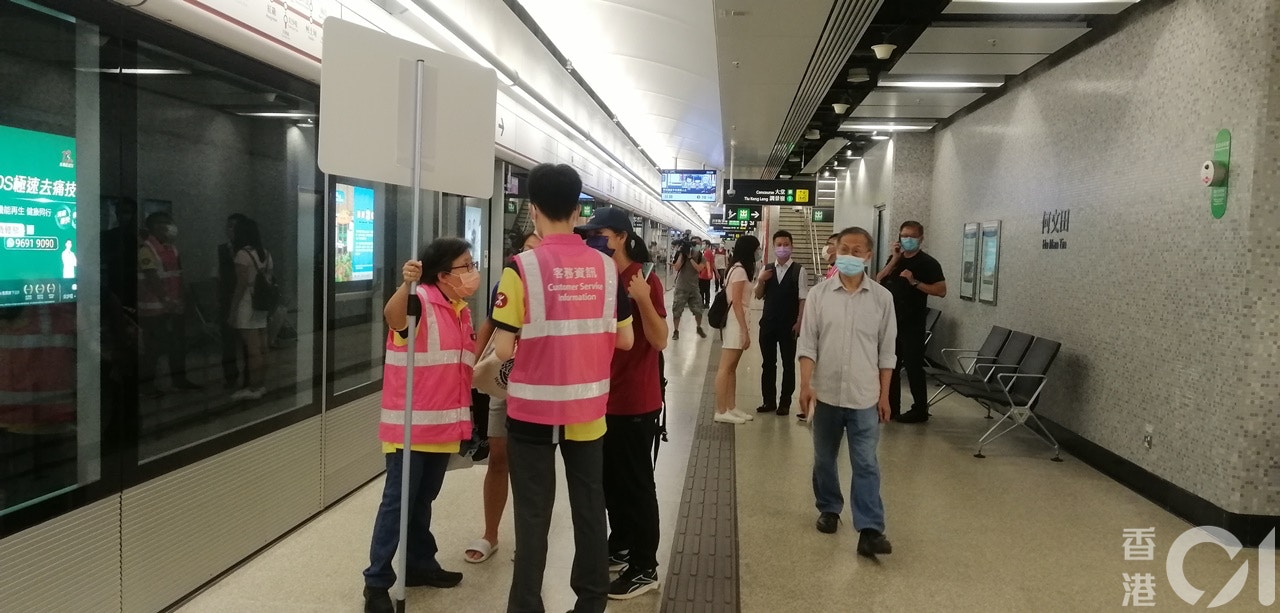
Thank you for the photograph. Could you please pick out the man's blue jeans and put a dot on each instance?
(426, 475)
(830, 425)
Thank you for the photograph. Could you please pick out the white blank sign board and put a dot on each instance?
(367, 105)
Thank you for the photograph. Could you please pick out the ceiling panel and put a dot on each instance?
(966, 64)
(772, 44)
(949, 39)
(621, 46)
(909, 112)
(1004, 7)
(924, 98)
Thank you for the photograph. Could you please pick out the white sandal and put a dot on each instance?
(482, 547)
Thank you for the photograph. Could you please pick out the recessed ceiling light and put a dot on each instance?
(138, 71)
(784, 176)
(941, 84)
(279, 114)
(826, 173)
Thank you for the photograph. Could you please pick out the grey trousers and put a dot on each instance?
(533, 493)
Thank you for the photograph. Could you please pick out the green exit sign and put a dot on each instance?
(824, 215)
(588, 210)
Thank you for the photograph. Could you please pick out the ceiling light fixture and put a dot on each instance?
(784, 176)
(867, 127)
(278, 114)
(840, 108)
(879, 137)
(137, 71)
(813, 135)
(884, 51)
(858, 75)
(794, 158)
(826, 173)
(942, 84)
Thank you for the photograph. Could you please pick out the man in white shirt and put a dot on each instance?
(782, 286)
(848, 339)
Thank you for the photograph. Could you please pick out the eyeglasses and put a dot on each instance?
(468, 266)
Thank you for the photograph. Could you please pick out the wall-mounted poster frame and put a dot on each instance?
(969, 261)
(988, 279)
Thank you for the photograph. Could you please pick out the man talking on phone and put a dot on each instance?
(847, 338)
(912, 276)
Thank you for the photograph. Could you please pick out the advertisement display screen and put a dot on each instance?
(689, 185)
(353, 220)
(37, 217)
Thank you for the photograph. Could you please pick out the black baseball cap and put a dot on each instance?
(612, 217)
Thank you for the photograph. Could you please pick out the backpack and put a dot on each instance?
(266, 294)
(718, 316)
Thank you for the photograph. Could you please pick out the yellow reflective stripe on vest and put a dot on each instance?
(428, 418)
(429, 358)
(568, 327)
(565, 393)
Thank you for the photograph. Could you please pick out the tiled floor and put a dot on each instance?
(1012, 532)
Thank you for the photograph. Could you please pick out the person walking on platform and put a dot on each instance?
(707, 274)
(736, 334)
(846, 350)
(635, 402)
(565, 302)
(912, 276)
(444, 352)
(496, 474)
(782, 285)
(688, 266)
(722, 266)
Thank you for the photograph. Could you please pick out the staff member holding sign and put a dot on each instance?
(564, 300)
(442, 365)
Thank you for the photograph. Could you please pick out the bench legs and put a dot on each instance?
(1019, 416)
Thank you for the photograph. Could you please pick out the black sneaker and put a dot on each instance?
(632, 584)
(914, 416)
(784, 410)
(828, 522)
(871, 543)
(766, 409)
(701, 334)
(675, 336)
(434, 578)
(618, 562)
(378, 600)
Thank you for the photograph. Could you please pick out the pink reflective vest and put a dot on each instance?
(568, 336)
(38, 368)
(444, 355)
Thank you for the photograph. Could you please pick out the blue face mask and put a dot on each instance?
(600, 243)
(850, 266)
(909, 243)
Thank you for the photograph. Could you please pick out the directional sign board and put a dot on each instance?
(762, 192)
(824, 215)
(742, 213)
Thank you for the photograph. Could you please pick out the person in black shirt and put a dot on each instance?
(231, 348)
(912, 276)
(782, 286)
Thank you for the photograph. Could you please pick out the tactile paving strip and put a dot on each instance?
(702, 576)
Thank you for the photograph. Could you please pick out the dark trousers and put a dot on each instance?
(426, 475)
(704, 287)
(911, 358)
(630, 494)
(533, 494)
(165, 335)
(774, 340)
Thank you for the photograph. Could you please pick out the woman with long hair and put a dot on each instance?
(736, 334)
(441, 411)
(497, 474)
(251, 260)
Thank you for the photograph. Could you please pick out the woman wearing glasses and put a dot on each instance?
(444, 356)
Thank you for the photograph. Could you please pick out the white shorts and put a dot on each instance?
(247, 318)
(497, 417)
(732, 333)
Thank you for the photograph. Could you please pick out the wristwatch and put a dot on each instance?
(915, 283)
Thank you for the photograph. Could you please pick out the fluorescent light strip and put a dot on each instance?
(137, 71)
(280, 114)
(866, 127)
(942, 84)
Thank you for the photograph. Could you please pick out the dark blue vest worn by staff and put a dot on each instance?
(782, 300)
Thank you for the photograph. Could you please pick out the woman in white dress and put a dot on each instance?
(736, 334)
(251, 260)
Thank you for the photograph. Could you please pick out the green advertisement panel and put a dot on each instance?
(38, 256)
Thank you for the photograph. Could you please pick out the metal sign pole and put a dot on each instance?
(402, 549)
